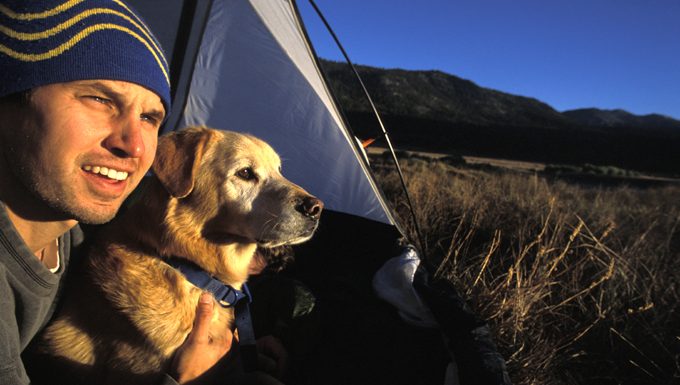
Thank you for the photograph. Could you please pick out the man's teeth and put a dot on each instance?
(108, 172)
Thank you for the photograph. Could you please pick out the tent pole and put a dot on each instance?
(380, 122)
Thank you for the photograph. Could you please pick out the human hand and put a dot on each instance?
(197, 361)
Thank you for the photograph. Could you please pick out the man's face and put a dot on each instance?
(70, 134)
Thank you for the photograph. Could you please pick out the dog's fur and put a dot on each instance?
(215, 197)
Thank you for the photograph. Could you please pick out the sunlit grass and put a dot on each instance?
(580, 284)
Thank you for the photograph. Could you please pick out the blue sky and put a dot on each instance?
(570, 54)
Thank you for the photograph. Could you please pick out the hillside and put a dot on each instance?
(435, 111)
(593, 117)
(438, 96)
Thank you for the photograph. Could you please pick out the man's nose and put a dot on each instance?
(125, 139)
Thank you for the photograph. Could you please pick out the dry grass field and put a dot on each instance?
(580, 283)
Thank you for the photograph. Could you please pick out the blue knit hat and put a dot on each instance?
(55, 41)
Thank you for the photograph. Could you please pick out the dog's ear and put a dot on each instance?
(178, 157)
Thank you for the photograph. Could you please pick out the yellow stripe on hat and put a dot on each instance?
(34, 57)
(39, 15)
(31, 36)
(147, 29)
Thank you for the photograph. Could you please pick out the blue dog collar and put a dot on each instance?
(229, 297)
(226, 295)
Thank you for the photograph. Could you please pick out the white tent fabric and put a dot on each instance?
(245, 80)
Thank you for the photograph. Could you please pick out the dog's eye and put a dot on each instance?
(246, 173)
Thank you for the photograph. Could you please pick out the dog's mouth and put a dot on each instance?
(272, 234)
(224, 238)
(269, 244)
(287, 240)
(275, 244)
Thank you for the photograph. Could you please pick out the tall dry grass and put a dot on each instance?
(581, 285)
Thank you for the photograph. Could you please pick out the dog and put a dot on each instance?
(216, 196)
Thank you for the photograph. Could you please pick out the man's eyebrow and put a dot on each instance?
(112, 93)
(101, 87)
(156, 114)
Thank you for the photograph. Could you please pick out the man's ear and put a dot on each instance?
(178, 157)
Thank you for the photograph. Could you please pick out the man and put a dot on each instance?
(83, 91)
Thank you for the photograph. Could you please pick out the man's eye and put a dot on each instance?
(149, 118)
(246, 173)
(99, 99)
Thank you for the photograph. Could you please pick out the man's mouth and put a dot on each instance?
(107, 172)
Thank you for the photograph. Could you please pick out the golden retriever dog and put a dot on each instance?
(216, 196)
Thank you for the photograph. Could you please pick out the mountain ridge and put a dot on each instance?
(433, 110)
(387, 88)
(598, 117)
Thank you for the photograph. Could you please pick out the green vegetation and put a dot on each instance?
(580, 284)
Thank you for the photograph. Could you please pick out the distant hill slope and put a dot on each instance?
(438, 96)
(593, 117)
(432, 110)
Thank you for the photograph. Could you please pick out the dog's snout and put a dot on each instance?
(309, 206)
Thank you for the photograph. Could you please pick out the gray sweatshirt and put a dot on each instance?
(28, 292)
(28, 295)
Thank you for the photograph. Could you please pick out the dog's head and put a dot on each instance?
(230, 184)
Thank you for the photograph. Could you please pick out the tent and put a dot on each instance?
(378, 317)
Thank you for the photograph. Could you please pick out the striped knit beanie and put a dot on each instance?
(56, 41)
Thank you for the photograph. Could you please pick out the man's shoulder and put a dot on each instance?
(13, 251)
(8, 234)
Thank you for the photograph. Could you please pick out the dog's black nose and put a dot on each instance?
(310, 207)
